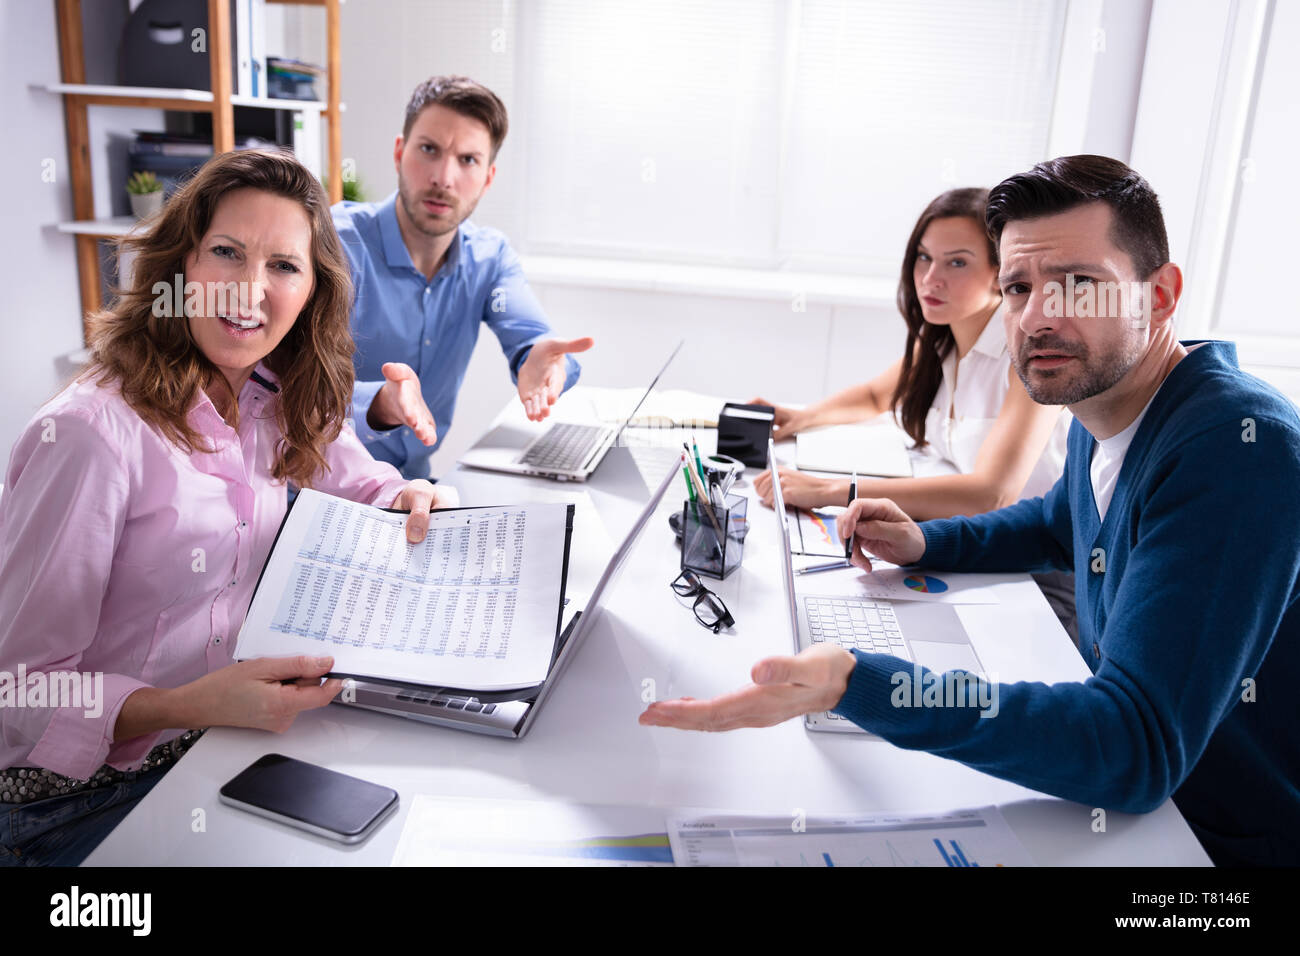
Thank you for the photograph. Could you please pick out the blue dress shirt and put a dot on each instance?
(432, 325)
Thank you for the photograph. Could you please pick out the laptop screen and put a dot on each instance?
(782, 519)
(590, 612)
(649, 388)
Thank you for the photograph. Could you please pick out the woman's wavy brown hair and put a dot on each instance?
(928, 344)
(155, 360)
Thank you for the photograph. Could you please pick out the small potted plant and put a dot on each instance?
(146, 194)
(351, 188)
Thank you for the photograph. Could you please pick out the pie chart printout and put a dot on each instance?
(925, 583)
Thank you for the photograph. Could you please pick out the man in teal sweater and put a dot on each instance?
(1179, 512)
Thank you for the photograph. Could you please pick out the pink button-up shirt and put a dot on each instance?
(123, 556)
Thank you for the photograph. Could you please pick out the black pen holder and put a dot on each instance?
(713, 539)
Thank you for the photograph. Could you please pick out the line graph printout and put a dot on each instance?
(473, 605)
(978, 837)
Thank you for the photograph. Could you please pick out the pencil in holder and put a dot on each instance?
(713, 539)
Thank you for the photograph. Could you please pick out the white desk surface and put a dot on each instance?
(587, 747)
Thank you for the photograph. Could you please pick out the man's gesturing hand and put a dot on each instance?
(541, 377)
(881, 527)
(400, 402)
(784, 687)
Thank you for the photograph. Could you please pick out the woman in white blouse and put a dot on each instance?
(953, 391)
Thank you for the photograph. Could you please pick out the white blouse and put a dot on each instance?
(968, 402)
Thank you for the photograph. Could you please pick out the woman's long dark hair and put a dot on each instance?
(928, 344)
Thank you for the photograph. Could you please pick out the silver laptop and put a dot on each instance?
(929, 634)
(567, 451)
(509, 713)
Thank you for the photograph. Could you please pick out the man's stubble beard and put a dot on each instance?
(1094, 378)
(414, 209)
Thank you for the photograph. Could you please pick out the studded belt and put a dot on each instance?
(26, 784)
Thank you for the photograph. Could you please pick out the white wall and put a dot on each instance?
(389, 47)
(42, 304)
(1216, 135)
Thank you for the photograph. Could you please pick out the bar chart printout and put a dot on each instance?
(473, 605)
(815, 533)
(977, 837)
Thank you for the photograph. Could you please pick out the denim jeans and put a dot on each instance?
(62, 830)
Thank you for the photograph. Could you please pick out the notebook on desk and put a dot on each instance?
(879, 450)
(671, 408)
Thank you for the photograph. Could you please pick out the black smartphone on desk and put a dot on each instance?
(303, 795)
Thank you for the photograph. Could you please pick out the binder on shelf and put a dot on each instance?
(241, 23)
(257, 47)
(306, 139)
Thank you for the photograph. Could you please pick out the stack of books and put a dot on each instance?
(289, 79)
(173, 157)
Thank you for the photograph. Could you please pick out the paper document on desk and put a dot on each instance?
(879, 450)
(445, 831)
(474, 605)
(674, 408)
(892, 583)
(979, 837)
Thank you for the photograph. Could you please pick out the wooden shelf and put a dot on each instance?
(134, 92)
(266, 103)
(116, 226)
(165, 98)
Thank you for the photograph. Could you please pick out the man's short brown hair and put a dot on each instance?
(467, 98)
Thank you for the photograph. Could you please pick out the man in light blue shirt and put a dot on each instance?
(427, 279)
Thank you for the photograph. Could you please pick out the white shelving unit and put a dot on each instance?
(116, 226)
(189, 96)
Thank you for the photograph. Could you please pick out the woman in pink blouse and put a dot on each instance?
(141, 502)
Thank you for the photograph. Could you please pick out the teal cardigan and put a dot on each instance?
(1188, 618)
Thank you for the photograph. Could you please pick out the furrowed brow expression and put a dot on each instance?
(1050, 255)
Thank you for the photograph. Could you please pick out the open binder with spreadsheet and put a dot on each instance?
(476, 605)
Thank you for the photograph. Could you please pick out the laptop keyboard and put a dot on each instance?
(869, 626)
(471, 704)
(565, 447)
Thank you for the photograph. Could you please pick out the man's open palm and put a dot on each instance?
(542, 376)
